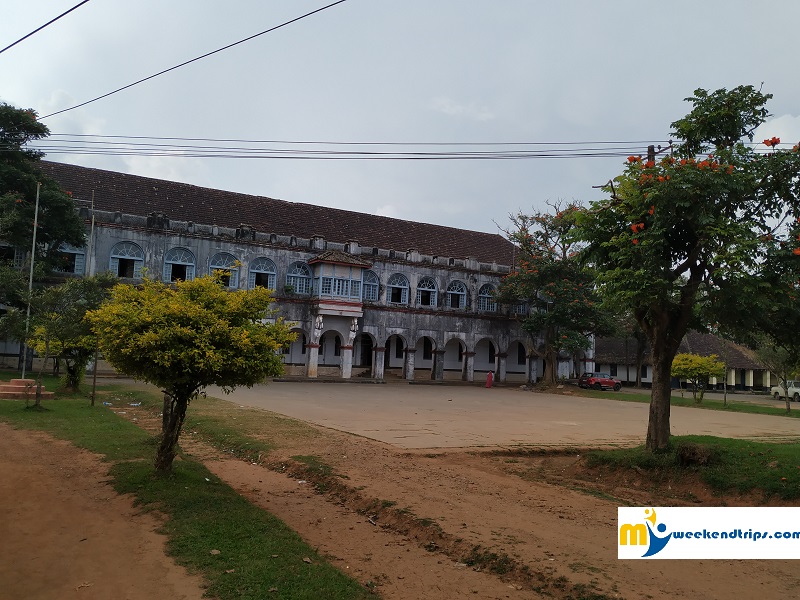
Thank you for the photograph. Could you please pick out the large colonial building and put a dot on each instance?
(367, 295)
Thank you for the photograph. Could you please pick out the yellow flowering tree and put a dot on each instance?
(697, 370)
(187, 337)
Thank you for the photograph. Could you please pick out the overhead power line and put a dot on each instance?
(43, 26)
(301, 149)
(118, 145)
(183, 64)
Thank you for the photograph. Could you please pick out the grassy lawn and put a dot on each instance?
(724, 464)
(259, 556)
(709, 402)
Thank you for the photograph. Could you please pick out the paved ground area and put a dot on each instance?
(423, 416)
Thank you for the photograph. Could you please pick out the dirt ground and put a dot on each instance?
(408, 523)
(65, 534)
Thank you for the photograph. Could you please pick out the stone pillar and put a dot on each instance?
(347, 362)
(347, 350)
(501, 367)
(469, 367)
(532, 368)
(748, 379)
(313, 347)
(313, 359)
(438, 365)
(408, 365)
(378, 357)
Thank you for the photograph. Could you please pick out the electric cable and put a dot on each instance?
(183, 64)
(43, 26)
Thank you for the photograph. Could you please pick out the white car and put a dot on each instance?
(793, 390)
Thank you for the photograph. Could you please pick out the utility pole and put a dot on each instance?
(30, 281)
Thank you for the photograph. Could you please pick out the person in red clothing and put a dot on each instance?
(489, 379)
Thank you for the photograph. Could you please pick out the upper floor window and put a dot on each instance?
(457, 295)
(370, 286)
(397, 289)
(298, 278)
(486, 302)
(127, 260)
(70, 260)
(262, 273)
(520, 309)
(228, 268)
(426, 292)
(340, 287)
(178, 265)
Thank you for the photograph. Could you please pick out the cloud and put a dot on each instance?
(387, 210)
(470, 111)
(786, 127)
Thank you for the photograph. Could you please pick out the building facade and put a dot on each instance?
(368, 296)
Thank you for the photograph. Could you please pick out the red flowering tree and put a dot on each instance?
(561, 307)
(703, 234)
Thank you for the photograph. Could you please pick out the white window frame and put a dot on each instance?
(370, 286)
(486, 301)
(427, 284)
(298, 276)
(80, 259)
(178, 256)
(262, 265)
(397, 281)
(457, 291)
(225, 261)
(126, 251)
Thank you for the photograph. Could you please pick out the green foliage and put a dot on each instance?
(191, 336)
(691, 239)
(59, 327)
(697, 370)
(724, 464)
(186, 338)
(19, 174)
(564, 307)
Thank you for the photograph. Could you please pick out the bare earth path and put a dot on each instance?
(65, 534)
(529, 508)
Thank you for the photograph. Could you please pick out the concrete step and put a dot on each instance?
(22, 389)
(24, 395)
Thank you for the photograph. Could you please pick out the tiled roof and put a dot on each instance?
(613, 350)
(137, 195)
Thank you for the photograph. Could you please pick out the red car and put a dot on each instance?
(599, 381)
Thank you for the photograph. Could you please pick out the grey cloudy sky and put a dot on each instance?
(477, 71)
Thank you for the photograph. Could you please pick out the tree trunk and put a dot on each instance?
(550, 367)
(658, 424)
(172, 423)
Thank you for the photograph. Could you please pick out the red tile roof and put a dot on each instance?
(137, 195)
(615, 350)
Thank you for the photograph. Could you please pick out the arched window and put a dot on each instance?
(426, 292)
(127, 260)
(457, 295)
(486, 302)
(397, 289)
(262, 274)
(228, 267)
(370, 286)
(298, 278)
(70, 259)
(178, 264)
